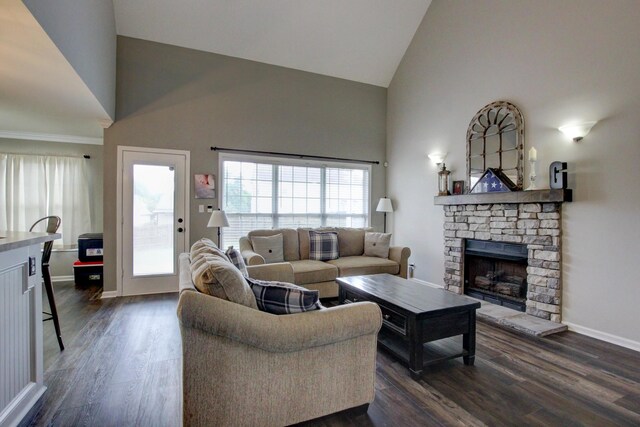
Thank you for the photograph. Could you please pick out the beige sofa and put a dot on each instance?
(321, 275)
(244, 367)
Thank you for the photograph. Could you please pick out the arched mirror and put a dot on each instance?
(495, 139)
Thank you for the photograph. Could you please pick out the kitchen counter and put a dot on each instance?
(17, 239)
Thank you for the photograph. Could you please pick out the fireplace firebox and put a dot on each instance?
(496, 272)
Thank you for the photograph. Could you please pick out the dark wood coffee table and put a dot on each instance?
(413, 315)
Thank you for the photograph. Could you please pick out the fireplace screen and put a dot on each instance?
(496, 272)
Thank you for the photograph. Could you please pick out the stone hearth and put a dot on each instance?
(538, 225)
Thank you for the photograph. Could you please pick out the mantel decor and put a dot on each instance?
(495, 139)
(443, 181)
(493, 181)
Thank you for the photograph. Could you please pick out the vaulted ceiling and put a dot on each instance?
(359, 40)
(41, 96)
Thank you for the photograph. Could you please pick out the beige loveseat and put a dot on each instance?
(245, 367)
(321, 275)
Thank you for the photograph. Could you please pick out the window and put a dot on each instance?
(259, 193)
(33, 186)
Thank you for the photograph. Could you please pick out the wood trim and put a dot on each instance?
(109, 294)
(531, 196)
(35, 136)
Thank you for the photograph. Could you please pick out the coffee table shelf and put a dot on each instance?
(433, 352)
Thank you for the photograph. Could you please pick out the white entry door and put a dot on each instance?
(154, 205)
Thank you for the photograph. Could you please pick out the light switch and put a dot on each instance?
(201, 208)
(209, 209)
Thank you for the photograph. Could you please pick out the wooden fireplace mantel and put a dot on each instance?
(531, 196)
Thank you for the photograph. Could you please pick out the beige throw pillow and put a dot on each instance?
(377, 244)
(214, 275)
(269, 247)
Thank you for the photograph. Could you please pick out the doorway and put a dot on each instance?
(153, 197)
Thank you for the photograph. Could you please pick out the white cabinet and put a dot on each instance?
(21, 353)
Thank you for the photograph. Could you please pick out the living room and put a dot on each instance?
(558, 62)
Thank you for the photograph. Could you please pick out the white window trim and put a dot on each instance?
(222, 157)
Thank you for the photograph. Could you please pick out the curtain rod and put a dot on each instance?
(297, 156)
(86, 156)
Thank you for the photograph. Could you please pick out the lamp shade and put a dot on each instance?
(437, 157)
(577, 131)
(384, 205)
(218, 219)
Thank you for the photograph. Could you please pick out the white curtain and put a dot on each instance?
(33, 186)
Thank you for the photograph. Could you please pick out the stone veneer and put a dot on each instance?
(538, 225)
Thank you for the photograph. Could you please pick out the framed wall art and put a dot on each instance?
(205, 186)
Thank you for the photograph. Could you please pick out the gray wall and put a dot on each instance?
(62, 261)
(85, 33)
(557, 61)
(172, 97)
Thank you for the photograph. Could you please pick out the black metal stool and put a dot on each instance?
(53, 223)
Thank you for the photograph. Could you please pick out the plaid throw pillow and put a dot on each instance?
(283, 298)
(323, 246)
(236, 259)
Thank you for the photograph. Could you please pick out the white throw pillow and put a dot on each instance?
(377, 244)
(269, 247)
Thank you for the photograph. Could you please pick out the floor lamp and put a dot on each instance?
(218, 219)
(385, 205)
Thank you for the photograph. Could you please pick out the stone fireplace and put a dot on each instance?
(529, 218)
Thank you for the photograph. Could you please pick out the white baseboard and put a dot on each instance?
(109, 294)
(62, 279)
(604, 336)
(424, 282)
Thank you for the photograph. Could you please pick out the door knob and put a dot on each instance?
(180, 229)
(180, 220)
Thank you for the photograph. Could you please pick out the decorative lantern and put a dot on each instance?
(443, 181)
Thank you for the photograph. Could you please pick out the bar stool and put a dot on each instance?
(53, 223)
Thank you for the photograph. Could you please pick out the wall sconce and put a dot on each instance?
(577, 131)
(437, 158)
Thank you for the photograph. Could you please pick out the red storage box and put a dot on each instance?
(87, 273)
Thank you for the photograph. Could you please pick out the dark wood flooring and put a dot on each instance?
(121, 367)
